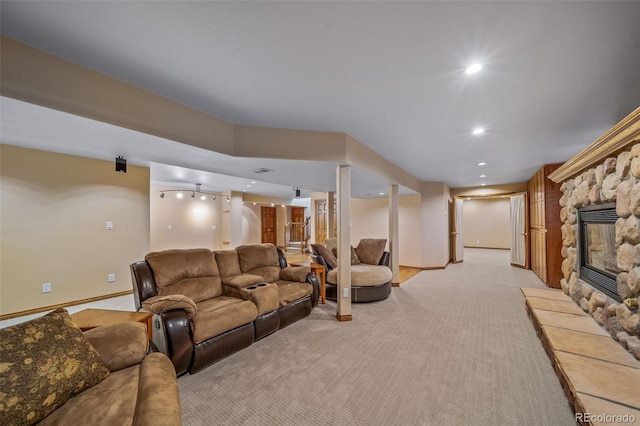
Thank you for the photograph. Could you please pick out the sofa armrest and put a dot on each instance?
(158, 398)
(295, 273)
(315, 283)
(385, 259)
(120, 345)
(161, 304)
(172, 335)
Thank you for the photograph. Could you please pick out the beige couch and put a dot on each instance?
(209, 305)
(53, 374)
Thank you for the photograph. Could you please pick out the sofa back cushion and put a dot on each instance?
(44, 362)
(370, 250)
(228, 263)
(257, 256)
(191, 272)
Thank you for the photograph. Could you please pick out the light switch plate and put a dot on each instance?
(111, 278)
(345, 292)
(46, 287)
(109, 225)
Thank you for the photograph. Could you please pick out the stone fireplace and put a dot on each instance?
(593, 183)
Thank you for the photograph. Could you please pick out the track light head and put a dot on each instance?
(121, 164)
(193, 195)
(162, 195)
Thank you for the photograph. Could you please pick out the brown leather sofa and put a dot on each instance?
(209, 305)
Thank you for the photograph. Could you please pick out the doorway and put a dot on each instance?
(322, 221)
(268, 225)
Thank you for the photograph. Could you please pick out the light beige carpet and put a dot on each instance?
(414, 359)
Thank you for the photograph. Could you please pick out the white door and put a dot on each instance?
(458, 241)
(518, 231)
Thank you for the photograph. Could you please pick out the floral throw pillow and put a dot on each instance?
(43, 363)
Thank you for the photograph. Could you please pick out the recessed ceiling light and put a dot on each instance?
(482, 164)
(382, 193)
(473, 68)
(483, 184)
(253, 182)
(478, 131)
(248, 185)
(483, 175)
(244, 190)
(179, 195)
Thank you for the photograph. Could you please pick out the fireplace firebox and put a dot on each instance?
(597, 243)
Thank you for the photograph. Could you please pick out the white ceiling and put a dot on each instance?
(391, 74)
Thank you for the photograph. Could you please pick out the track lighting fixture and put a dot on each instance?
(202, 194)
(297, 191)
(121, 164)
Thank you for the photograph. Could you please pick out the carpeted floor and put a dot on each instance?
(414, 359)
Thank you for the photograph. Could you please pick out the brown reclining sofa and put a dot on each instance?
(208, 305)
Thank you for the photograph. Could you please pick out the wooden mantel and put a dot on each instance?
(616, 139)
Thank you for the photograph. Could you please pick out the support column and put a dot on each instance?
(394, 231)
(343, 184)
(331, 201)
(235, 207)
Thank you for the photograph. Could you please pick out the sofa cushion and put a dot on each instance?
(228, 263)
(295, 273)
(326, 254)
(256, 256)
(364, 275)
(332, 245)
(370, 250)
(171, 302)
(289, 291)
(192, 272)
(269, 274)
(43, 363)
(242, 280)
(221, 314)
(355, 260)
(120, 345)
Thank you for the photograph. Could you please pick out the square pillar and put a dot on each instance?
(343, 178)
(394, 231)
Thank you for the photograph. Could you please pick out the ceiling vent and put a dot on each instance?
(261, 170)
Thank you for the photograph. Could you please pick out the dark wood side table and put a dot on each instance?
(92, 318)
(319, 271)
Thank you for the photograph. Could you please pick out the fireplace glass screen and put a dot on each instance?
(597, 240)
(601, 247)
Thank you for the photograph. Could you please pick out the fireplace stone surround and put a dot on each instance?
(614, 178)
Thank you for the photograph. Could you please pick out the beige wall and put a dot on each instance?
(486, 222)
(435, 198)
(53, 227)
(184, 223)
(370, 219)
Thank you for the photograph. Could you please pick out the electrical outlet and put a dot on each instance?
(345, 292)
(111, 278)
(109, 226)
(46, 287)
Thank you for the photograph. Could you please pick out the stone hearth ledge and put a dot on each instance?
(598, 376)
